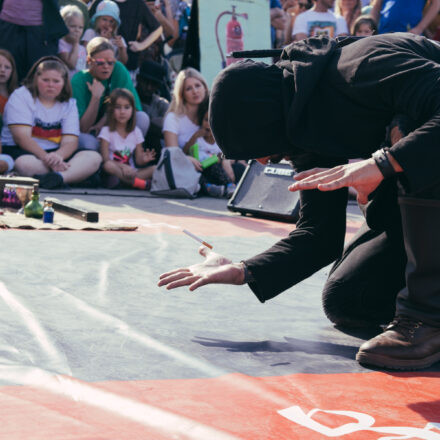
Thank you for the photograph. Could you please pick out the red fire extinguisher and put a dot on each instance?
(234, 36)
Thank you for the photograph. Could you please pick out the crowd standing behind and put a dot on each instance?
(97, 111)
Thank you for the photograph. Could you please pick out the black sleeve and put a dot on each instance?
(147, 18)
(317, 241)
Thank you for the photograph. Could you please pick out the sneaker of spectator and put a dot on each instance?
(319, 21)
(139, 28)
(105, 22)
(404, 16)
(350, 10)
(213, 190)
(230, 189)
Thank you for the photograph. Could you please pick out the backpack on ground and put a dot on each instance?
(175, 175)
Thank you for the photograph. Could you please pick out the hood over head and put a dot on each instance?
(255, 107)
(246, 110)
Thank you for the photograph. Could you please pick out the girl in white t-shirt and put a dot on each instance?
(41, 128)
(70, 50)
(121, 144)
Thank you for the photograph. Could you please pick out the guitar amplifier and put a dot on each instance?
(262, 192)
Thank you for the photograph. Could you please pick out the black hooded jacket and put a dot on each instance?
(325, 102)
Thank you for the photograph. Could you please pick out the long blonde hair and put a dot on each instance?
(177, 102)
(351, 16)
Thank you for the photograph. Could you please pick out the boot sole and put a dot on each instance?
(378, 360)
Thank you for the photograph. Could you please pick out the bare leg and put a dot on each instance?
(227, 166)
(125, 173)
(82, 165)
(146, 173)
(28, 165)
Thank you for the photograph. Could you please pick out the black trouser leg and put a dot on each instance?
(420, 298)
(363, 284)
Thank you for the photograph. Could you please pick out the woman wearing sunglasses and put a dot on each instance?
(91, 88)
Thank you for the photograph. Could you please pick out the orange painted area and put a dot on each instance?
(228, 407)
(217, 226)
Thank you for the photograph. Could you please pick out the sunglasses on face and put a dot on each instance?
(101, 62)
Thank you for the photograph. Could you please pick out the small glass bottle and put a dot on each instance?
(48, 212)
(34, 208)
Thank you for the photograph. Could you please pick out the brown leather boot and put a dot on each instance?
(405, 344)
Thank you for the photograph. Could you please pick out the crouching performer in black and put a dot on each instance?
(323, 103)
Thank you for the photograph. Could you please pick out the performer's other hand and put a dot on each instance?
(363, 176)
(216, 269)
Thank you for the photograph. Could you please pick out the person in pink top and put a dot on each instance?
(32, 35)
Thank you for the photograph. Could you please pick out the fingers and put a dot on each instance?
(198, 283)
(204, 251)
(362, 198)
(172, 272)
(307, 173)
(178, 277)
(317, 181)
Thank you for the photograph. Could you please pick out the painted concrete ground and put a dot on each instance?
(91, 348)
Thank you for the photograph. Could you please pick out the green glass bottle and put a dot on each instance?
(34, 208)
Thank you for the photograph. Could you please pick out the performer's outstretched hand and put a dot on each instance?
(216, 269)
(363, 176)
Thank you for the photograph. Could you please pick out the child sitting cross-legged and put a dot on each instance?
(218, 177)
(121, 143)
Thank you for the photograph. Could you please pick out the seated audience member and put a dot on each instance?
(136, 18)
(349, 9)
(149, 79)
(319, 21)
(364, 27)
(8, 83)
(404, 15)
(164, 15)
(31, 35)
(70, 50)
(81, 5)
(174, 16)
(156, 53)
(121, 144)
(218, 178)
(93, 86)
(278, 22)
(8, 79)
(41, 128)
(181, 126)
(105, 22)
(293, 8)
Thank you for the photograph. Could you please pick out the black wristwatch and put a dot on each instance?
(383, 163)
(248, 277)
